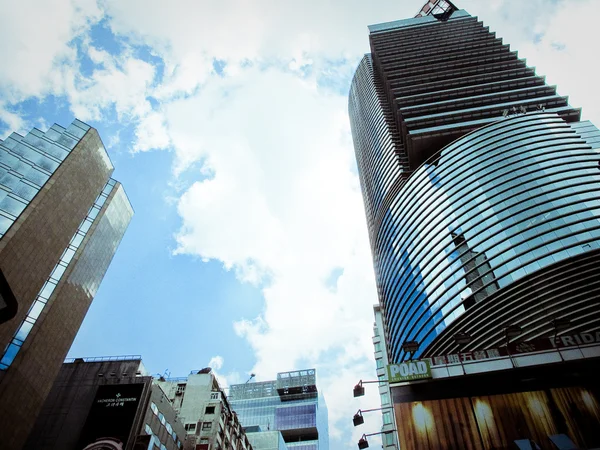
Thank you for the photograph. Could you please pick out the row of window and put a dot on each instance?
(499, 204)
(26, 163)
(165, 423)
(206, 426)
(55, 276)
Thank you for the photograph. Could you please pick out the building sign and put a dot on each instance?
(554, 342)
(112, 413)
(458, 358)
(516, 348)
(409, 371)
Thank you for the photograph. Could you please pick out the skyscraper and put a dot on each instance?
(283, 414)
(61, 220)
(480, 186)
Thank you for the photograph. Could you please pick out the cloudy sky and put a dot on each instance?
(227, 124)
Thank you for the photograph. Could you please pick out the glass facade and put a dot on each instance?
(290, 405)
(61, 220)
(479, 183)
(26, 163)
(54, 279)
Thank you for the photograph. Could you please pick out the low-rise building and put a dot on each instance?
(204, 410)
(108, 403)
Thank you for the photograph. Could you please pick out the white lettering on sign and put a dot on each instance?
(404, 370)
(410, 370)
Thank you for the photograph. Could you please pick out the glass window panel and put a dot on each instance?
(10, 354)
(5, 224)
(77, 239)
(36, 309)
(47, 290)
(85, 226)
(24, 330)
(12, 206)
(68, 255)
(58, 272)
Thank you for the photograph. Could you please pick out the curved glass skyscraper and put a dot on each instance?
(481, 188)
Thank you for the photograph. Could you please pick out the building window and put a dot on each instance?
(389, 438)
(147, 429)
(180, 389)
(379, 363)
(154, 408)
(207, 425)
(190, 426)
(209, 410)
(385, 398)
(387, 418)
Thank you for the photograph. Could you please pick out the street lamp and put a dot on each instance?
(512, 331)
(561, 324)
(410, 347)
(462, 338)
(363, 443)
(359, 390)
(358, 418)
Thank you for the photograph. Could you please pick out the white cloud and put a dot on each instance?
(216, 364)
(13, 121)
(151, 133)
(277, 199)
(283, 207)
(121, 81)
(36, 36)
(564, 52)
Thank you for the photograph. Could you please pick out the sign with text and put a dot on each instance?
(409, 371)
(112, 413)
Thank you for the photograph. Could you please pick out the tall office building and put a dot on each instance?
(61, 220)
(283, 414)
(480, 186)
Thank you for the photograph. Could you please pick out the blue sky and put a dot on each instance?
(227, 125)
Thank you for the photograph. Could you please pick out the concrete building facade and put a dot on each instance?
(61, 220)
(203, 408)
(106, 403)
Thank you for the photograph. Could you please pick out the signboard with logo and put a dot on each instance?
(112, 413)
(409, 371)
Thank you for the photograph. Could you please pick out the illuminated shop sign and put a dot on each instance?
(408, 371)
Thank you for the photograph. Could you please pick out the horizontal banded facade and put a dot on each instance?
(476, 176)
